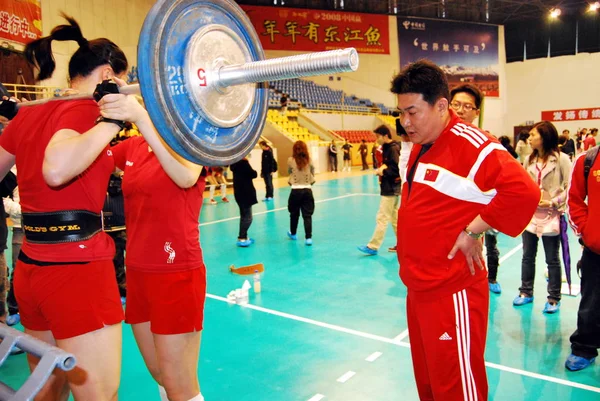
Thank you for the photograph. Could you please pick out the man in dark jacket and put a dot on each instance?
(389, 181)
(568, 146)
(267, 167)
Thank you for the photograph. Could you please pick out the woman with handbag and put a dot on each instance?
(551, 170)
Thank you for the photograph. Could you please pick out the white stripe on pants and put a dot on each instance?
(463, 339)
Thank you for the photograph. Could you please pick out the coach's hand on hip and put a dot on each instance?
(472, 248)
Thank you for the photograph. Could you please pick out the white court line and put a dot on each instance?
(510, 253)
(406, 345)
(317, 397)
(311, 321)
(373, 357)
(543, 377)
(208, 223)
(401, 336)
(346, 376)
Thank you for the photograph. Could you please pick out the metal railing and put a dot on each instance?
(32, 92)
(348, 109)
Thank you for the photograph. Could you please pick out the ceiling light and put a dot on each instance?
(594, 6)
(555, 12)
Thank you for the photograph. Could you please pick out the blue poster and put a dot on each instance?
(467, 52)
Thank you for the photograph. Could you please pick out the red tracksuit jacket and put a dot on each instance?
(581, 213)
(465, 173)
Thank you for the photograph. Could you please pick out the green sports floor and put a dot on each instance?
(330, 323)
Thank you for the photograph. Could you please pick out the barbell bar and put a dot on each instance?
(201, 71)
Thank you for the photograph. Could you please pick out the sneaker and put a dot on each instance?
(292, 236)
(392, 249)
(575, 363)
(551, 307)
(495, 287)
(212, 202)
(11, 320)
(367, 250)
(308, 242)
(522, 299)
(245, 242)
(224, 199)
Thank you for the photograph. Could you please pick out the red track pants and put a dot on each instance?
(447, 343)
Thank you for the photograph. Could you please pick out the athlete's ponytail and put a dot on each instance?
(89, 56)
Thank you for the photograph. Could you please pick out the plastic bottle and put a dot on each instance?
(256, 282)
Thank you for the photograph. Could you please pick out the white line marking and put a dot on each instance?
(208, 223)
(543, 377)
(373, 357)
(313, 322)
(401, 336)
(346, 376)
(511, 252)
(317, 397)
(405, 344)
(366, 194)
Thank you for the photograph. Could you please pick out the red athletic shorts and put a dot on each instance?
(172, 302)
(70, 299)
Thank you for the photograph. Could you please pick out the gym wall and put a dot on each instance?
(556, 83)
(119, 21)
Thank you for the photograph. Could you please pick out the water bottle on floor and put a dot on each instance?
(256, 282)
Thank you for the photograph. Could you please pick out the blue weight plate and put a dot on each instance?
(165, 35)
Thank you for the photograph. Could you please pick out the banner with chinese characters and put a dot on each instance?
(572, 114)
(314, 30)
(468, 53)
(20, 20)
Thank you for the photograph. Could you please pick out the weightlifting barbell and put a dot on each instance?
(199, 65)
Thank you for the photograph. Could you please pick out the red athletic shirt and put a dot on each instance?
(27, 137)
(465, 173)
(161, 218)
(583, 202)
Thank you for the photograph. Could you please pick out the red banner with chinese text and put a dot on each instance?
(317, 30)
(20, 20)
(572, 114)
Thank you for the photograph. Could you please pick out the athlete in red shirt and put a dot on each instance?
(166, 277)
(64, 278)
(584, 213)
(460, 183)
(590, 140)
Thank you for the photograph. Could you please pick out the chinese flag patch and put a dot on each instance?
(431, 175)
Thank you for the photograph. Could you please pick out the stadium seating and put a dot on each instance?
(357, 136)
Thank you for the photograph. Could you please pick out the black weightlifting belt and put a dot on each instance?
(60, 227)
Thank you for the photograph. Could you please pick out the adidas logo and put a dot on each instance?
(445, 337)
